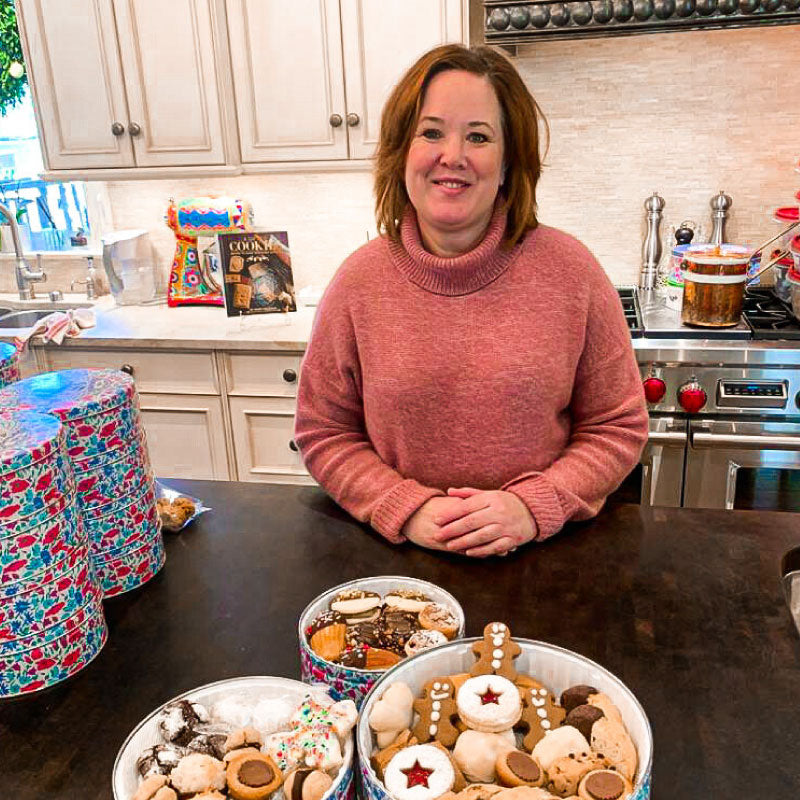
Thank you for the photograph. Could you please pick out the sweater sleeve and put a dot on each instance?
(330, 429)
(609, 424)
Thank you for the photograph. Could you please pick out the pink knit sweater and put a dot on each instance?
(497, 369)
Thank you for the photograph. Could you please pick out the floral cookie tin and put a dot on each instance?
(556, 667)
(63, 650)
(351, 682)
(114, 480)
(9, 364)
(120, 524)
(120, 571)
(249, 689)
(97, 406)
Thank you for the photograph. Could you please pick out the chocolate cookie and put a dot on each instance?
(357, 605)
(178, 721)
(365, 633)
(398, 627)
(354, 657)
(576, 696)
(160, 759)
(583, 717)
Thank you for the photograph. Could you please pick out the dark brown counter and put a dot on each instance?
(685, 606)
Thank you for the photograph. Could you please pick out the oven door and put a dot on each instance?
(662, 462)
(735, 464)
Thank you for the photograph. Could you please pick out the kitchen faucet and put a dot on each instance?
(25, 276)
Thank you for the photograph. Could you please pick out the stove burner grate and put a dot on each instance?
(768, 317)
(630, 305)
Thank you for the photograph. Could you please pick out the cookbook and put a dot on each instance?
(256, 272)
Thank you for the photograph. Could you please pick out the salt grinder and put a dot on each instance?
(651, 250)
(720, 204)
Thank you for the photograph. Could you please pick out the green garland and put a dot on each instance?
(11, 89)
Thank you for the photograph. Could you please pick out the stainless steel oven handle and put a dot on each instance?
(667, 438)
(740, 441)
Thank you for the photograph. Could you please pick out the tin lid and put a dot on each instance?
(720, 254)
(27, 437)
(787, 214)
(8, 354)
(71, 394)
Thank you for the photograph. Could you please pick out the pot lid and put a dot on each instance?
(717, 254)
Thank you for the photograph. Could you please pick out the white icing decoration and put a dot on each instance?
(496, 664)
(437, 686)
(542, 692)
(536, 702)
(497, 641)
(437, 704)
(546, 724)
(541, 712)
(435, 716)
(497, 653)
(432, 730)
(495, 627)
(446, 687)
(502, 626)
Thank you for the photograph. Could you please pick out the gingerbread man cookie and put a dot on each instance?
(540, 714)
(496, 653)
(436, 710)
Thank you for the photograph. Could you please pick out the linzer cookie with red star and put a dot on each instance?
(420, 772)
(489, 703)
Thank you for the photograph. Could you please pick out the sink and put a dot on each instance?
(6, 310)
(22, 319)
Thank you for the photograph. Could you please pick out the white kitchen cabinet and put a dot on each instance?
(311, 77)
(127, 83)
(263, 440)
(185, 435)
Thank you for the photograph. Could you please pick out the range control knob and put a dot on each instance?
(654, 389)
(692, 397)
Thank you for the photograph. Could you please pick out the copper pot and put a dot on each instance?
(713, 284)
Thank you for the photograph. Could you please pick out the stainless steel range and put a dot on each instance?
(724, 412)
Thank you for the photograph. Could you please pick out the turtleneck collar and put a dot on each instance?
(462, 274)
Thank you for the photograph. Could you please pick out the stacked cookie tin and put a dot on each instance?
(114, 480)
(9, 364)
(51, 614)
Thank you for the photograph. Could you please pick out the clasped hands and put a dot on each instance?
(472, 522)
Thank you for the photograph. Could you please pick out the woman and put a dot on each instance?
(469, 384)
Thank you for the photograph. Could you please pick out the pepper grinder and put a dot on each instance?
(651, 250)
(720, 205)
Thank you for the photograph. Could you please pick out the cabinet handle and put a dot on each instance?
(293, 445)
(335, 120)
(127, 368)
(117, 129)
(353, 119)
(289, 375)
(134, 129)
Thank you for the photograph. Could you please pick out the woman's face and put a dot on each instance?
(454, 166)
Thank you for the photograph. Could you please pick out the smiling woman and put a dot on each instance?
(470, 384)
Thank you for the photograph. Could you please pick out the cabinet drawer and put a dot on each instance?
(166, 372)
(185, 435)
(263, 374)
(263, 440)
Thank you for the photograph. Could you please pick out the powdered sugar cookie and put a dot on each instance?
(476, 754)
(421, 772)
(423, 640)
(560, 742)
(489, 703)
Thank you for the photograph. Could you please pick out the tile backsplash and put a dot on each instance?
(685, 114)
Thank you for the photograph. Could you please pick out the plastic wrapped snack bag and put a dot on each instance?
(177, 510)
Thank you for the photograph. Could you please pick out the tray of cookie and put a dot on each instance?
(243, 738)
(352, 633)
(503, 718)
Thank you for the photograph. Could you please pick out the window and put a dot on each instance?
(51, 216)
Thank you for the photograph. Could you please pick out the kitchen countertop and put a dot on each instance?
(185, 327)
(683, 605)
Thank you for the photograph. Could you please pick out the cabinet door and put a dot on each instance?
(170, 70)
(263, 440)
(380, 41)
(185, 435)
(287, 77)
(73, 64)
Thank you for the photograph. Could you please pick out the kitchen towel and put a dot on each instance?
(58, 325)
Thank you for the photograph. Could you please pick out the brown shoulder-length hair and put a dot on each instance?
(520, 117)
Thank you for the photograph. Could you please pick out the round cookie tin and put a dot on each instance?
(122, 570)
(9, 364)
(98, 406)
(115, 480)
(351, 682)
(120, 526)
(556, 667)
(54, 660)
(12, 525)
(36, 486)
(26, 554)
(28, 607)
(27, 437)
(125, 779)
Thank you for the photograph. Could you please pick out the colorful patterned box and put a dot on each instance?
(28, 607)
(55, 503)
(56, 659)
(25, 554)
(127, 475)
(9, 364)
(36, 486)
(131, 519)
(555, 667)
(123, 570)
(98, 407)
(352, 682)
